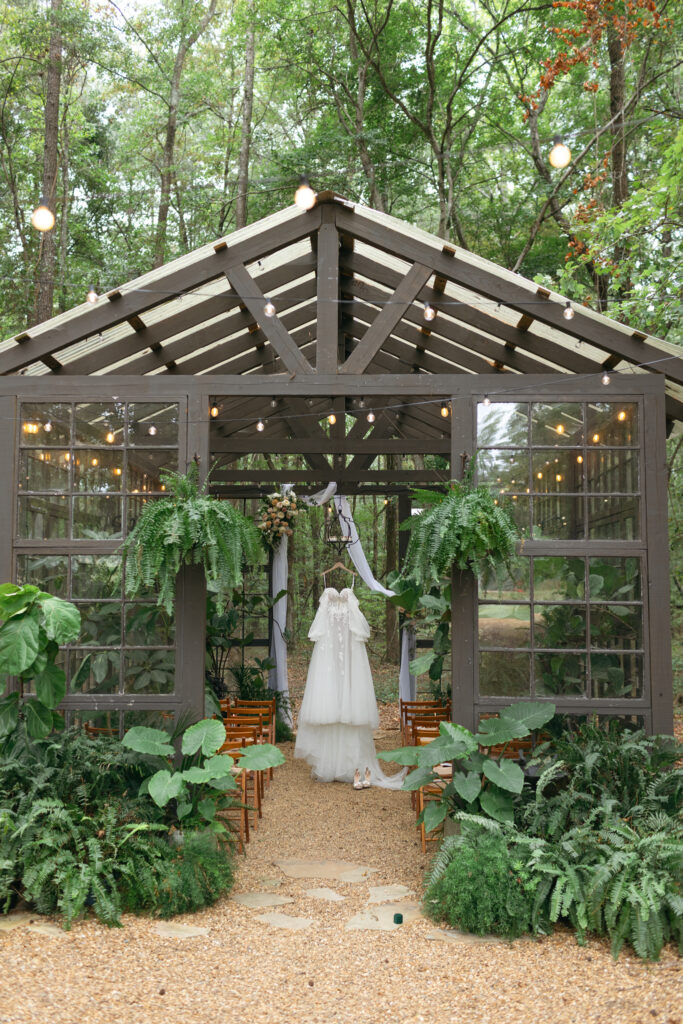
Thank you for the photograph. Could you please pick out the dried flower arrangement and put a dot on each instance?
(277, 514)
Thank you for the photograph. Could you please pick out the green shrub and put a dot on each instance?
(200, 873)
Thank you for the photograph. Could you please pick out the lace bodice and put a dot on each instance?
(341, 609)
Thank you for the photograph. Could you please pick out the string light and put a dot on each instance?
(273, 403)
(579, 459)
(487, 400)
(260, 426)
(596, 438)
(444, 411)
(111, 437)
(48, 427)
(152, 430)
(621, 417)
(371, 417)
(213, 411)
(560, 155)
(94, 462)
(430, 312)
(92, 295)
(331, 419)
(560, 428)
(605, 379)
(568, 312)
(269, 309)
(42, 218)
(304, 197)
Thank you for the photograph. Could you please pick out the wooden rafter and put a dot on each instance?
(328, 294)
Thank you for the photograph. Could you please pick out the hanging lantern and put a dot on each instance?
(337, 532)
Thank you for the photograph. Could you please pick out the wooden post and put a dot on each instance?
(463, 584)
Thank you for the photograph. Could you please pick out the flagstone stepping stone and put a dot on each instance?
(331, 870)
(47, 928)
(271, 883)
(294, 924)
(325, 894)
(463, 938)
(261, 899)
(18, 919)
(179, 931)
(385, 893)
(381, 919)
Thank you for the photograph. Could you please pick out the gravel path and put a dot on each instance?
(244, 969)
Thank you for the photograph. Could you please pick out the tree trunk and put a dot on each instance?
(617, 100)
(245, 142)
(63, 300)
(45, 280)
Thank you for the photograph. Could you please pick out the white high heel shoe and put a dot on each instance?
(357, 784)
(367, 782)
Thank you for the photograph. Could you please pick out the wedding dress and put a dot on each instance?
(339, 711)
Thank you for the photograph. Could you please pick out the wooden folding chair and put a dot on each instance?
(268, 710)
(237, 817)
(420, 708)
(237, 738)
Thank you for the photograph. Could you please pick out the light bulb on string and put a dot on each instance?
(110, 437)
(605, 379)
(331, 419)
(430, 312)
(371, 417)
(445, 411)
(42, 218)
(273, 403)
(48, 427)
(487, 400)
(560, 155)
(260, 426)
(568, 312)
(269, 309)
(92, 296)
(304, 197)
(213, 412)
(152, 430)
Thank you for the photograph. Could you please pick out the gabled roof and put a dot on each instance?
(349, 286)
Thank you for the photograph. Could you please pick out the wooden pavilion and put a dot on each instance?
(418, 349)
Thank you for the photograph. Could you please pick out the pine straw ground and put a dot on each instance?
(245, 970)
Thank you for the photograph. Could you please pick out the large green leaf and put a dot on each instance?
(420, 777)
(146, 740)
(506, 774)
(19, 643)
(197, 775)
(13, 598)
(207, 736)
(402, 755)
(422, 664)
(260, 756)
(532, 714)
(458, 732)
(164, 787)
(434, 813)
(496, 804)
(51, 685)
(468, 787)
(9, 714)
(61, 619)
(207, 809)
(219, 764)
(38, 718)
(493, 731)
(439, 750)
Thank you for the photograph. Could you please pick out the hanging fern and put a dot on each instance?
(464, 528)
(189, 526)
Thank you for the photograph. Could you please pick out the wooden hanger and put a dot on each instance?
(338, 565)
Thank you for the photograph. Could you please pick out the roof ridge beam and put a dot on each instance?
(327, 349)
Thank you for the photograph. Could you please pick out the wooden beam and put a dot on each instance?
(387, 319)
(306, 476)
(327, 353)
(301, 446)
(272, 326)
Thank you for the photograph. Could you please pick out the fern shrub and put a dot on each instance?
(187, 527)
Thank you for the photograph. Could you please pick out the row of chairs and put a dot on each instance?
(248, 722)
(419, 726)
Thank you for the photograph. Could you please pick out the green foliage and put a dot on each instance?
(189, 526)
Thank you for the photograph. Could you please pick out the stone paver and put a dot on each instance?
(169, 930)
(261, 899)
(386, 893)
(47, 928)
(331, 870)
(17, 919)
(294, 924)
(381, 918)
(463, 938)
(325, 894)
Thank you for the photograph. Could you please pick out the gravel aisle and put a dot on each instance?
(246, 970)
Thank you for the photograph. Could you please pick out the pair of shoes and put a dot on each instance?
(357, 784)
(366, 781)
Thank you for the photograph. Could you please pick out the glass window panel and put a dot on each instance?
(49, 572)
(97, 723)
(614, 423)
(517, 508)
(100, 624)
(502, 674)
(43, 518)
(157, 719)
(617, 675)
(616, 626)
(612, 470)
(149, 671)
(558, 517)
(502, 423)
(99, 470)
(100, 423)
(613, 518)
(96, 517)
(256, 625)
(611, 577)
(94, 671)
(44, 423)
(503, 470)
(151, 423)
(559, 625)
(553, 471)
(556, 423)
(504, 625)
(560, 674)
(43, 470)
(144, 467)
(508, 582)
(147, 626)
(559, 578)
(95, 576)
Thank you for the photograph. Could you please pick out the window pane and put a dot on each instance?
(94, 671)
(560, 625)
(147, 626)
(49, 572)
(559, 578)
(43, 470)
(144, 467)
(554, 471)
(96, 518)
(45, 423)
(560, 674)
(99, 470)
(502, 674)
(95, 576)
(149, 672)
(151, 424)
(518, 508)
(615, 423)
(503, 470)
(616, 626)
(503, 423)
(617, 675)
(43, 518)
(558, 517)
(509, 582)
(613, 518)
(612, 470)
(504, 625)
(152, 719)
(611, 578)
(557, 423)
(100, 423)
(101, 624)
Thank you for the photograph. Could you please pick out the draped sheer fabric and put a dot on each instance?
(339, 712)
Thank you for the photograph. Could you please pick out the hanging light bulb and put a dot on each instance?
(430, 312)
(331, 419)
(444, 411)
(260, 426)
(371, 417)
(273, 403)
(487, 400)
(42, 218)
(560, 428)
(110, 437)
(605, 379)
(48, 426)
(621, 417)
(568, 312)
(269, 309)
(152, 430)
(92, 295)
(304, 197)
(560, 155)
(213, 411)
(361, 403)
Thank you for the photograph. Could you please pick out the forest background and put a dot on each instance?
(152, 128)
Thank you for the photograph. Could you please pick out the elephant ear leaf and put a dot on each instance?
(497, 805)
(533, 713)
(506, 775)
(164, 787)
(207, 736)
(19, 643)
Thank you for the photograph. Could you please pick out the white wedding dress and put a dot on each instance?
(339, 712)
